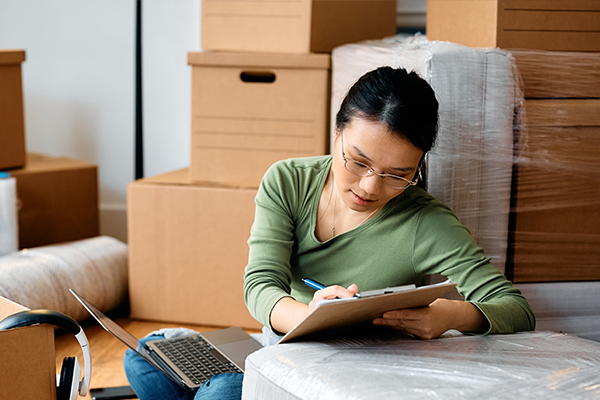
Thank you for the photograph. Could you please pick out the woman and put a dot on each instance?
(358, 219)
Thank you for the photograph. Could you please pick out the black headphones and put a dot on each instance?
(68, 383)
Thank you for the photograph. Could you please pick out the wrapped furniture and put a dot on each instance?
(537, 365)
(470, 167)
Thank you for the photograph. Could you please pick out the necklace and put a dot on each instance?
(328, 201)
(333, 214)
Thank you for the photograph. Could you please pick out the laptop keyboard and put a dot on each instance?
(194, 357)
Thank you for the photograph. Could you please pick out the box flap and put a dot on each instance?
(11, 56)
(181, 177)
(8, 307)
(271, 60)
(43, 163)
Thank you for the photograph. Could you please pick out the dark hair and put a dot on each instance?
(403, 101)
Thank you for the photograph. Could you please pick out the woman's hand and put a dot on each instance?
(332, 292)
(432, 321)
(288, 312)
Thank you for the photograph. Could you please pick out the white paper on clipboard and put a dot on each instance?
(333, 314)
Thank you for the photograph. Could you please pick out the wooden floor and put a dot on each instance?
(107, 351)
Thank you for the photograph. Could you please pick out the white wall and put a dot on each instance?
(78, 83)
(411, 13)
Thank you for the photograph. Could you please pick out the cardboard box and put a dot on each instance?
(301, 26)
(251, 110)
(552, 75)
(558, 25)
(12, 120)
(557, 216)
(27, 366)
(58, 200)
(188, 250)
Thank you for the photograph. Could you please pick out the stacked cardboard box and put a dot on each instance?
(57, 196)
(556, 25)
(251, 109)
(260, 93)
(12, 124)
(301, 26)
(58, 200)
(556, 233)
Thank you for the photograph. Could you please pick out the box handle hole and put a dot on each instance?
(258, 77)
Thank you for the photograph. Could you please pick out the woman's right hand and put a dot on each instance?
(332, 292)
(288, 312)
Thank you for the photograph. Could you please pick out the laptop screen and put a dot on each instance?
(110, 326)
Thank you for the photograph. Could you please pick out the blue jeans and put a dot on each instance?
(149, 383)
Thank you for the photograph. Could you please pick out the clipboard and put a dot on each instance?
(338, 313)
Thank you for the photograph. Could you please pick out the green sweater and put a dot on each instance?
(414, 235)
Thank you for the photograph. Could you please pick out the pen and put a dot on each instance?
(313, 284)
(316, 285)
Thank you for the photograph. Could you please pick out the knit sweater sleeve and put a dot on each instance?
(443, 245)
(268, 273)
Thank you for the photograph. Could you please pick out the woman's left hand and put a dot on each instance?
(432, 321)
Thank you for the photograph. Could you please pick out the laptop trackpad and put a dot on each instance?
(233, 342)
(238, 351)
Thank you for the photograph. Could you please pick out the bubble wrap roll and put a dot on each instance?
(40, 277)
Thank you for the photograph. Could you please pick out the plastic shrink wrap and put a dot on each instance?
(517, 159)
(40, 277)
(9, 228)
(537, 365)
(555, 225)
(519, 131)
(470, 167)
(555, 235)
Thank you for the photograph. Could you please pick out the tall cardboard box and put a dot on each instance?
(251, 110)
(556, 231)
(557, 25)
(58, 200)
(188, 250)
(557, 227)
(299, 26)
(27, 359)
(12, 122)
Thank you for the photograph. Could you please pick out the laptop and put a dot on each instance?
(189, 360)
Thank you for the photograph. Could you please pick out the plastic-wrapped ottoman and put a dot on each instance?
(535, 365)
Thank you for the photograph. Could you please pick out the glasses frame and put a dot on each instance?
(371, 171)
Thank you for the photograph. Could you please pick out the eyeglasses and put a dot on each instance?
(360, 169)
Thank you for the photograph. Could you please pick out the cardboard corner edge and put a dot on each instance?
(9, 307)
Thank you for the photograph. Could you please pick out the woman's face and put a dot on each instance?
(371, 143)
